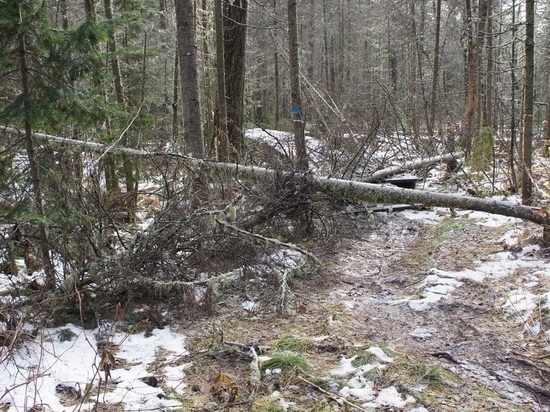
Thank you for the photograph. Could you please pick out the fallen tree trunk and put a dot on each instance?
(418, 164)
(338, 188)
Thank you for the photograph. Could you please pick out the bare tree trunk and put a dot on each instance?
(480, 87)
(187, 51)
(467, 131)
(327, 57)
(127, 163)
(435, 75)
(546, 150)
(207, 84)
(220, 70)
(487, 112)
(235, 21)
(175, 94)
(302, 163)
(513, 101)
(528, 99)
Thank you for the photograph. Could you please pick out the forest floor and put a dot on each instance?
(459, 306)
(418, 310)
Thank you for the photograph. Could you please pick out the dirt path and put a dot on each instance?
(466, 331)
(403, 285)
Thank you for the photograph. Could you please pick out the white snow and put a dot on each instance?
(391, 397)
(375, 350)
(30, 374)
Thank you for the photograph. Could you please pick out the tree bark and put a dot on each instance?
(528, 99)
(187, 52)
(295, 93)
(467, 131)
(127, 163)
(235, 20)
(220, 71)
(435, 74)
(513, 101)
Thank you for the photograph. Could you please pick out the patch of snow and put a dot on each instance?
(364, 393)
(33, 371)
(375, 350)
(426, 216)
(250, 306)
(421, 333)
(390, 396)
(521, 304)
(345, 368)
(488, 219)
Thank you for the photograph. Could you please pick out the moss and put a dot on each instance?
(481, 158)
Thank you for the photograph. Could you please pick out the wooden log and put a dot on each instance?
(338, 188)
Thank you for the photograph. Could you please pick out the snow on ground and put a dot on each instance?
(440, 284)
(69, 356)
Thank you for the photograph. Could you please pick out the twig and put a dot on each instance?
(269, 240)
(335, 398)
(447, 356)
(537, 390)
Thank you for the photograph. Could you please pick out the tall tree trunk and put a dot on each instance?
(187, 51)
(128, 165)
(175, 98)
(302, 163)
(207, 83)
(276, 76)
(326, 60)
(546, 151)
(235, 20)
(468, 129)
(513, 63)
(33, 164)
(481, 87)
(220, 70)
(435, 74)
(419, 34)
(528, 100)
(487, 118)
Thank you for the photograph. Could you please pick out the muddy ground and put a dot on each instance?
(463, 352)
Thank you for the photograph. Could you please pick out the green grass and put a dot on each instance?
(286, 360)
(295, 344)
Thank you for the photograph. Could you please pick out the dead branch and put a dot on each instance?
(418, 164)
(337, 399)
(269, 240)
